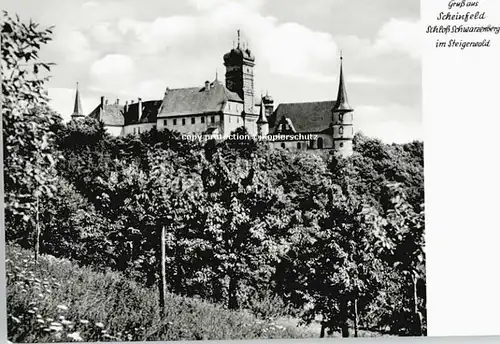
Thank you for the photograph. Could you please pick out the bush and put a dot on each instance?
(58, 301)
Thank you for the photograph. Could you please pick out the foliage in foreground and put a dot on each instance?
(60, 302)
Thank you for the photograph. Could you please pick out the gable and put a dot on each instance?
(149, 112)
(305, 117)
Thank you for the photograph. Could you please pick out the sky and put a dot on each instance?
(129, 49)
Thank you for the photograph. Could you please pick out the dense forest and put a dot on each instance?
(233, 223)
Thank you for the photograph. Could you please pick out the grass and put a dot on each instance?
(57, 301)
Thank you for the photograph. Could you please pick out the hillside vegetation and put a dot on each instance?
(59, 301)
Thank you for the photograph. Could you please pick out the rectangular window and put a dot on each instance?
(237, 120)
(229, 119)
(183, 121)
(212, 119)
(165, 122)
(193, 120)
(175, 121)
(202, 119)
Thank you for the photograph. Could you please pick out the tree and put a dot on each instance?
(29, 158)
(405, 228)
(244, 225)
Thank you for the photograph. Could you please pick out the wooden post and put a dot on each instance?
(163, 277)
(355, 317)
(415, 305)
(37, 230)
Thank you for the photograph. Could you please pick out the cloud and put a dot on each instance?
(104, 33)
(294, 50)
(114, 72)
(73, 45)
(400, 35)
(204, 5)
(392, 123)
(288, 49)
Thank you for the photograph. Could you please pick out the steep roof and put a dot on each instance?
(112, 114)
(342, 103)
(306, 117)
(196, 100)
(77, 111)
(149, 112)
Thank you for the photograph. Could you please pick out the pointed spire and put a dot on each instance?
(342, 103)
(262, 114)
(77, 111)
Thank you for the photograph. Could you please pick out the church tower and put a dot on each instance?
(239, 64)
(77, 111)
(342, 120)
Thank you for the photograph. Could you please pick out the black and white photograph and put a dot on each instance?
(212, 170)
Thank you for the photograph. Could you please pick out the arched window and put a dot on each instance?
(341, 144)
(341, 117)
(341, 130)
(311, 144)
(283, 145)
(320, 143)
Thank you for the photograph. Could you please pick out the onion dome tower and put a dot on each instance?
(239, 63)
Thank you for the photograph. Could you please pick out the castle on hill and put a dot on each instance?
(218, 108)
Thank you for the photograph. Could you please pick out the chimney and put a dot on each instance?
(126, 106)
(139, 109)
(102, 102)
(207, 85)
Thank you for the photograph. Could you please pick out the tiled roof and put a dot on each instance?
(115, 114)
(112, 114)
(305, 117)
(149, 112)
(196, 100)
